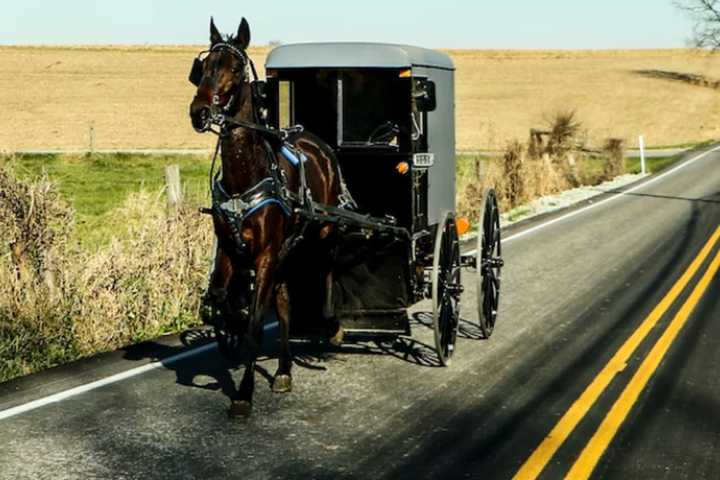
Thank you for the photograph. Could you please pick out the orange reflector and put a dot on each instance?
(406, 73)
(402, 168)
(463, 225)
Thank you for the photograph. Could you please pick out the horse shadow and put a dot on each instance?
(210, 370)
(207, 370)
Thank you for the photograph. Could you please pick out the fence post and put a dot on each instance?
(172, 184)
(91, 135)
(641, 142)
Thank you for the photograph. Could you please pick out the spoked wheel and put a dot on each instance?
(230, 320)
(229, 339)
(446, 287)
(489, 262)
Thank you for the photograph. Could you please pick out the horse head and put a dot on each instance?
(220, 73)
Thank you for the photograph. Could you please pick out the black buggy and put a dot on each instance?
(388, 112)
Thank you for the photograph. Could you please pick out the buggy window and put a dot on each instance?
(373, 106)
(285, 104)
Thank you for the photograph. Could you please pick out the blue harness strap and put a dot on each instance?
(291, 157)
(240, 207)
(265, 203)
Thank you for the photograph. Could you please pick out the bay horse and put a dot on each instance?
(255, 172)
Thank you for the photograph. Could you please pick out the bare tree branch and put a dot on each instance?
(705, 15)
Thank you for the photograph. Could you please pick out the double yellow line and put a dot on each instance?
(588, 459)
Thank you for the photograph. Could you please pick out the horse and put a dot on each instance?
(256, 171)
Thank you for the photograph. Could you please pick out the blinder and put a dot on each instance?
(196, 72)
(260, 98)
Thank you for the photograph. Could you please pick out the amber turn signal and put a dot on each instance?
(463, 225)
(402, 168)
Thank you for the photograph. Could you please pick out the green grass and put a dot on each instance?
(652, 165)
(97, 184)
(465, 164)
(683, 145)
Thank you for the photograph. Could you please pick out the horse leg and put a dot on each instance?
(264, 272)
(335, 330)
(282, 383)
(215, 298)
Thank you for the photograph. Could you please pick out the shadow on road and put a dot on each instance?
(496, 434)
(187, 372)
(311, 353)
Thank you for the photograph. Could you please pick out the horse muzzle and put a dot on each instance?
(201, 117)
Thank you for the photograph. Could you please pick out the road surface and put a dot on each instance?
(609, 337)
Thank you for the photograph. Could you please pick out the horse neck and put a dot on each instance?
(243, 161)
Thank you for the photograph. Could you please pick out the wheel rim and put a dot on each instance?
(446, 288)
(489, 263)
(230, 328)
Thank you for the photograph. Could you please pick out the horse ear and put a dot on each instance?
(242, 39)
(215, 36)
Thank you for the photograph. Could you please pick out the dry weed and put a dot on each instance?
(553, 160)
(614, 151)
(514, 173)
(139, 287)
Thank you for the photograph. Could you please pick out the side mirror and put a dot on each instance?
(196, 73)
(424, 95)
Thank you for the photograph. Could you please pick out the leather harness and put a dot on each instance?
(234, 209)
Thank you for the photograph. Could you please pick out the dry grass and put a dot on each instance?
(501, 93)
(551, 161)
(59, 302)
(138, 97)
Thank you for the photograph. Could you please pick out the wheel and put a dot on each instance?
(446, 287)
(230, 319)
(489, 262)
(229, 343)
(229, 340)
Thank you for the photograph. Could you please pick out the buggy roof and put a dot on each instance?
(356, 55)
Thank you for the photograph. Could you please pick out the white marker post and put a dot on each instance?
(641, 142)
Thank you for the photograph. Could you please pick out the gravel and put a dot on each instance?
(564, 199)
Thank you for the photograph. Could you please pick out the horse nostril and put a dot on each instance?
(203, 114)
(201, 119)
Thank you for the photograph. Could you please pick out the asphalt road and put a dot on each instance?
(575, 292)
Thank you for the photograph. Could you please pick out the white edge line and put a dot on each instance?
(58, 397)
(118, 377)
(603, 202)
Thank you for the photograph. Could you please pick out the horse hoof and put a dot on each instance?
(240, 408)
(282, 384)
(337, 340)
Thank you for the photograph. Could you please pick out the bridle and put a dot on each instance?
(220, 111)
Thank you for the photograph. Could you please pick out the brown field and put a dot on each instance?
(137, 97)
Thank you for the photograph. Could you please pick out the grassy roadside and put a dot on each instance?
(589, 171)
(652, 165)
(124, 268)
(97, 260)
(97, 184)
